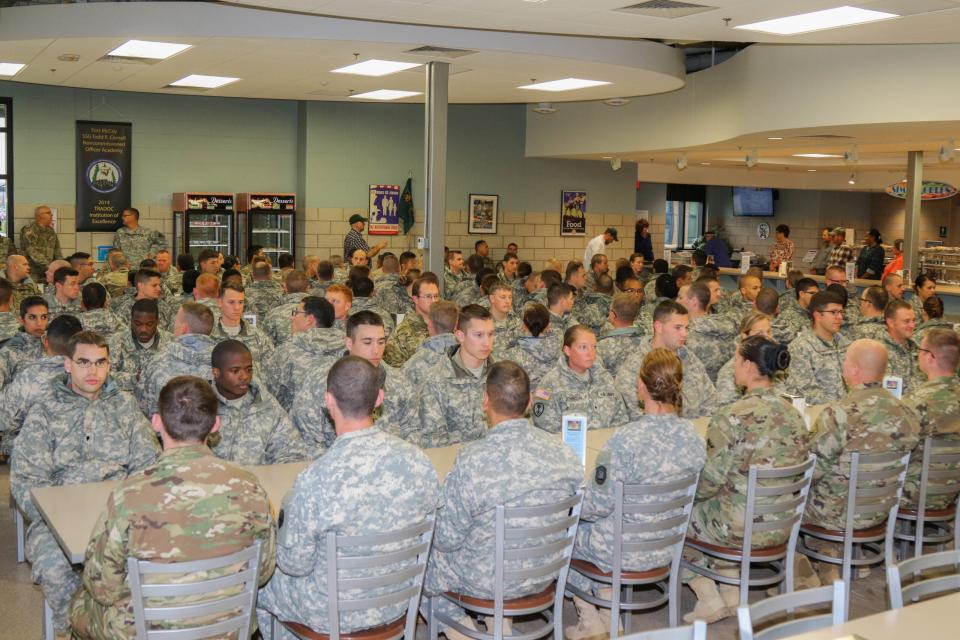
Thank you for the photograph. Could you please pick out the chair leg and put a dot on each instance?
(628, 615)
(558, 614)
(673, 602)
(48, 632)
(615, 598)
(21, 548)
(431, 618)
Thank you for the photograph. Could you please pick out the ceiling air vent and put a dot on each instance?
(440, 52)
(665, 9)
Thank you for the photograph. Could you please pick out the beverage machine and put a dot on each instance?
(203, 221)
(268, 220)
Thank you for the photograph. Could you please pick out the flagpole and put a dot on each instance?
(435, 159)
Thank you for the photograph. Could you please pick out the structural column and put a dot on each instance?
(911, 223)
(435, 159)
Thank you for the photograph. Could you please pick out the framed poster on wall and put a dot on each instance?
(384, 204)
(573, 216)
(482, 213)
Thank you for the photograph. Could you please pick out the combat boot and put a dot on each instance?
(710, 605)
(589, 623)
(804, 577)
(729, 592)
(607, 594)
(507, 625)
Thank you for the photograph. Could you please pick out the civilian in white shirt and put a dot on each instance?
(598, 244)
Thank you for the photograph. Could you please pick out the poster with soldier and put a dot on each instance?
(103, 174)
(384, 206)
(573, 216)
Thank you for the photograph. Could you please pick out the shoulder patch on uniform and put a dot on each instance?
(542, 394)
(600, 475)
(539, 408)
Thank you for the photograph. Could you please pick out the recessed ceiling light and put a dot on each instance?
(812, 170)
(148, 49)
(606, 157)
(774, 138)
(816, 155)
(10, 68)
(567, 84)
(377, 67)
(385, 94)
(706, 164)
(818, 20)
(199, 81)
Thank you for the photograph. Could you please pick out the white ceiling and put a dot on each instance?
(925, 21)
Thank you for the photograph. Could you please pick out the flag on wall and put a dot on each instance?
(405, 210)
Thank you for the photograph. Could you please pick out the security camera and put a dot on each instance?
(852, 156)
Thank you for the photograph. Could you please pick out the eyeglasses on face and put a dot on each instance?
(83, 363)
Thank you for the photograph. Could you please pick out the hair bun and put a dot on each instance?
(782, 357)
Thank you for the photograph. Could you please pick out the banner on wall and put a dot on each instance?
(104, 155)
(573, 217)
(384, 206)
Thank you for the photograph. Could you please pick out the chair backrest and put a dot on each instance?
(785, 605)
(876, 483)
(788, 498)
(671, 501)
(400, 568)
(939, 476)
(940, 582)
(236, 575)
(696, 631)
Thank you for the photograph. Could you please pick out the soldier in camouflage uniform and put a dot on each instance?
(515, 465)
(18, 274)
(743, 302)
(728, 391)
(870, 323)
(506, 324)
(147, 286)
(454, 274)
(363, 301)
(413, 330)
(276, 322)
(187, 354)
(449, 408)
(816, 355)
(933, 319)
(591, 308)
(136, 242)
(25, 345)
(936, 403)
(232, 325)
(524, 289)
(680, 452)
(620, 337)
(760, 429)
(39, 242)
(710, 337)
(88, 430)
(665, 288)
(95, 316)
(369, 482)
(560, 300)
(391, 294)
(262, 294)
(578, 385)
(6, 248)
(441, 323)
(9, 318)
(669, 332)
(132, 347)
(536, 348)
(898, 340)
(254, 428)
(868, 419)
(66, 295)
(188, 506)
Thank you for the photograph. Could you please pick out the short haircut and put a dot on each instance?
(78, 257)
(31, 301)
(661, 266)
(231, 286)
(784, 229)
(296, 281)
(451, 254)
(803, 284)
(710, 270)
(476, 245)
(365, 318)
(261, 270)
(145, 275)
(524, 269)
(508, 388)
(572, 267)
(424, 279)
(890, 311)
(208, 285)
(362, 287)
(744, 279)
(498, 285)
(877, 297)
(550, 277)
(148, 263)
(6, 291)
(699, 257)
(841, 292)
(933, 307)
(207, 254)
(626, 307)
(253, 250)
(536, 317)
(756, 272)
(794, 276)
(342, 290)
(286, 261)
(358, 271)
(558, 292)
(680, 271)
(820, 301)
(86, 337)
(666, 309)
(945, 345)
(188, 408)
(390, 264)
(227, 348)
(60, 275)
(325, 270)
(354, 383)
(483, 273)
(488, 281)
(94, 295)
(407, 256)
(230, 275)
(198, 317)
(890, 278)
(444, 315)
(701, 293)
(470, 313)
(666, 286)
(59, 332)
(185, 262)
(134, 211)
(768, 299)
(146, 305)
(320, 309)
(604, 284)
(596, 259)
(116, 259)
(474, 263)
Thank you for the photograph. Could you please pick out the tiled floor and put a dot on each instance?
(21, 602)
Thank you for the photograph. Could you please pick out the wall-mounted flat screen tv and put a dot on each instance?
(748, 201)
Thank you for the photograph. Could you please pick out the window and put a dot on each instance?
(684, 215)
(6, 166)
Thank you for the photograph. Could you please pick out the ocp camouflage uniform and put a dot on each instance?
(430, 352)
(452, 281)
(615, 345)
(680, 452)
(9, 325)
(564, 392)
(115, 282)
(902, 361)
(186, 355)
(315, 425)
(699, 394)
(536, 354)
(250, 335)
(391, 295)
(369, 482)
(6, 248)
(405, 340)
(41, 246)
(370, 304)
(254, 429)
(449, 408)
(276, 322)
(56, 308)
(515, 465)
(103, 321)
(32, 384)
(592, 309)
(761, 429)
(713, 340)
(69, 439)
(816, 367)
(933, 323)
(23, 289)
(261, 296)
(936, 403)
(138, 243)
(296, 364)
(128, 357)
(874, 328)
(189, 506)
(869, 420)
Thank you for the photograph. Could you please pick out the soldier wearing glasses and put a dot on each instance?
(816, 364)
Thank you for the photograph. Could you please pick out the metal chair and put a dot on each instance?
(787, 500)
(939, 476)
(562, 519)
(785, 605)
(21, 538)
(401, 568)
(940, 582)
(673, 502)
(696, 631)
(237, 574)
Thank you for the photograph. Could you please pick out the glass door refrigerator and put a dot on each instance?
(268, 220)
(203, 221)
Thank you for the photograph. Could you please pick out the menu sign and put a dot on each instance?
(273, 201)
(104, 160)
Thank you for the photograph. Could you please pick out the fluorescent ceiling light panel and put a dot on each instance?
(148, 49)
(386, 94)
(377, 67)
(198, 81)
(10, 68)
(818, 20)
(816, 155)
(567, 84)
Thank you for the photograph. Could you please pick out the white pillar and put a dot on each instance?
(911, 223)
(435, 170)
